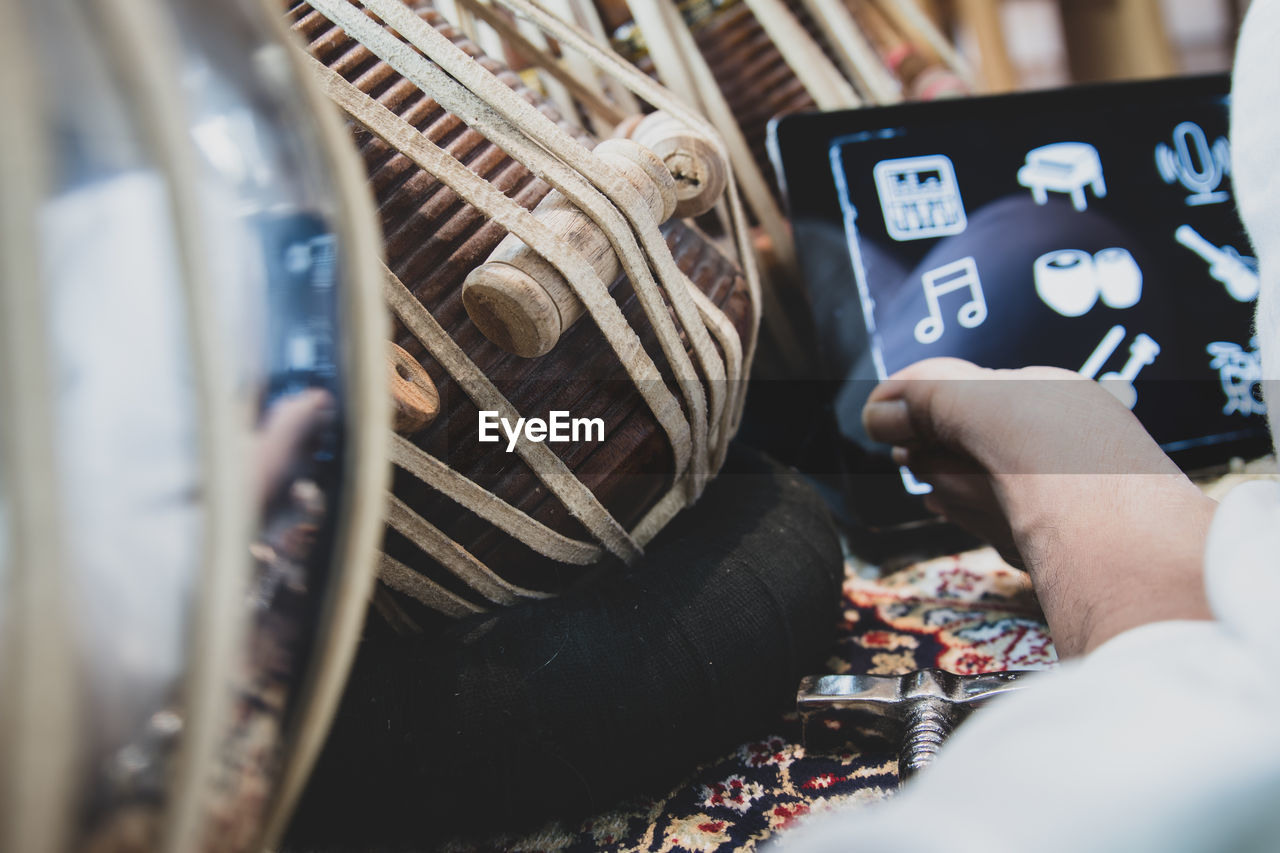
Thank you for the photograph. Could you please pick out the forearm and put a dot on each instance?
(1146, 565)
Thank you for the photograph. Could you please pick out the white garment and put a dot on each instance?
(1167, 737)
(1164, 738)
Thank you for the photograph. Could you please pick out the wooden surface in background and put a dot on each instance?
(1116, 39)
(1105, 39)
(982, 18)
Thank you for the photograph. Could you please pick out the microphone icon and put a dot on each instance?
(1196, 164)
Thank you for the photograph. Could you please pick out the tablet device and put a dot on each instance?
(1091, 228)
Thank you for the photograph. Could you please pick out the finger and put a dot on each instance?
(915, 405)
(289, 424)
(928, 370)
(955, 478)
(962, 493)
(889, 422)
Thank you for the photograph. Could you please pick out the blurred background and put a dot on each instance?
(1034, 44)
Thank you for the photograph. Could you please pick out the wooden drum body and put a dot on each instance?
(434, 241)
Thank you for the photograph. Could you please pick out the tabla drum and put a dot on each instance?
(477, 525)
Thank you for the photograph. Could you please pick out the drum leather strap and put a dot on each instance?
(824, 82)
(557, 477)
(146, 52)
(912, 19)
(479, 114)
(464, 87)
(599, 191)
(618, 69)
(681, 64)
(490, 507)
(854, 51)
(401, 578)
(454, 557)
(40, 729)
(593, 101)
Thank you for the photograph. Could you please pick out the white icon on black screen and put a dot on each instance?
(1071, 281)
(1197, 164)
(920, 197)
(1240, 372)
(1064, 167)
(1237, 272)
(946, 279)
(1120, 383)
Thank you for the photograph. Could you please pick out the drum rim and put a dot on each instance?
(368, 473)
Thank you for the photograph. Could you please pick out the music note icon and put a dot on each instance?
(948, 278)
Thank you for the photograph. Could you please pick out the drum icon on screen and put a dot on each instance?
(1070, 281)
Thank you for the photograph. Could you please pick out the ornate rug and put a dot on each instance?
(968, 613)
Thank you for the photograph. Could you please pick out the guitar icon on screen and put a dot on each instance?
(1238, 273)
(1120, 383)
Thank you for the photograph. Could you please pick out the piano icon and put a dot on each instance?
(920, 197)
(1064, 167)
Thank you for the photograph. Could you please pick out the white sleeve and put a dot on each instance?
(1164, 738)
(1255, 151)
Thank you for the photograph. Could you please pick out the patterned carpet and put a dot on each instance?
(969, 613)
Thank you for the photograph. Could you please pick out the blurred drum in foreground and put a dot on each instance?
(192, 424)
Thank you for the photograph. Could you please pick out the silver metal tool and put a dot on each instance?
(919, 709)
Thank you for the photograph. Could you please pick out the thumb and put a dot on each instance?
(916, 405)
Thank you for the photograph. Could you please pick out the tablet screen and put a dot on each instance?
(1090, 229)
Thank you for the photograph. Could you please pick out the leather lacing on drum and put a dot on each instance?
(699, 439)
(681, 66)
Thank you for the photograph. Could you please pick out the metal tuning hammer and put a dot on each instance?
(918, 710)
